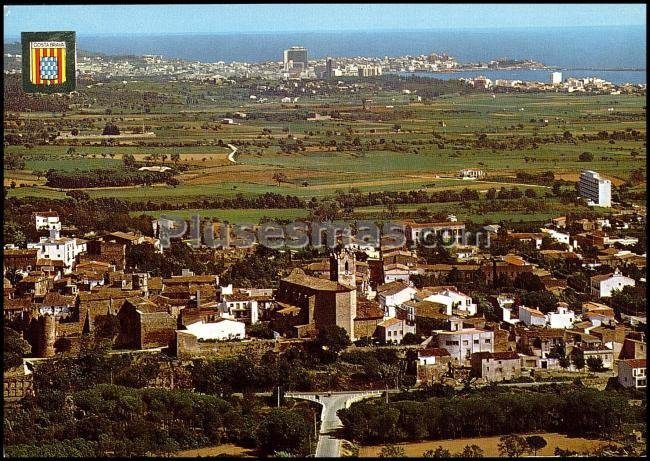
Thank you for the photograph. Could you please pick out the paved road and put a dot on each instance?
(328, 445)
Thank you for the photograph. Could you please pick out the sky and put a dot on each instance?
(162, 19)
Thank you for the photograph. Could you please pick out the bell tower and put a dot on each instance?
(343, 267)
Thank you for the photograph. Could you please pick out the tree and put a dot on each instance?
(512, 445)
(284, 430)
(128, 160)
(528, 281)
(15, 348)
(536, 442)
(586, 157)
(333, 338)
(411, 339)
(175, 157)
(14, 161)
(578, 361)
(471, 451)
(595, 364)
(110, 129)
(392, 451)
(437, 453)
(280, 177)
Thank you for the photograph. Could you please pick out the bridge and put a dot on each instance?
(329, 446)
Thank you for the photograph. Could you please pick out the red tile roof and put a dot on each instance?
(635, 363)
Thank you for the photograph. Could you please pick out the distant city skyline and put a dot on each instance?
(250, 18)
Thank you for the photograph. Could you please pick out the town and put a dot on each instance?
(296, 65)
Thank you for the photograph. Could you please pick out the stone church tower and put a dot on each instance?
(343, 267)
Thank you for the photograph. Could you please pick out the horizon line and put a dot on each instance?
(143, 34)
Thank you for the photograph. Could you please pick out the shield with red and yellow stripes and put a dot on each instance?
(47, 63)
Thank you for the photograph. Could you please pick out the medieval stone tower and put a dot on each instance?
(343, 267)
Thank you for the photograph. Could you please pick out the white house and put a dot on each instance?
(219, 330)
(452, 299)
(396, 271)
(58, 248)
(431, 355)
(560, 237)
(632, 373)
(602, 285)
(531, 316)
(47, 220)
(562, 318)
(394, 295)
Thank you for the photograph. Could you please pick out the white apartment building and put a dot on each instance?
(602, 285)
(594, 189)
(461, 343)
(556, 78)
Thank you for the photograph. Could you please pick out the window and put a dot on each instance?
(465, 342)
(488, 341)
(476, 341)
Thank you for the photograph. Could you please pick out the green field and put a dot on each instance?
(235, 216)
(434, 139)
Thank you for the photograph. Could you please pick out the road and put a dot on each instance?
(328, 445)
(231, 156)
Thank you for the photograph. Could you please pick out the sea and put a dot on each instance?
(596, 49)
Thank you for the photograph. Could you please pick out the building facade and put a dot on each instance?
(594, 189)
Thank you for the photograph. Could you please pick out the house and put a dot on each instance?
(392, 330)
(20, 259)
(462, 342)
(394, 294)
(531, 316)
(16, 309)
(58, 305)
(406, 258)
(471, 173)
(560, 237)
(219, 330)
(394, 272)
(505, 266)
(429, 232)
(633, 349)
(632, 373)
(57, 248)
(532, 237)
(36, 284)
(496, 366)
(241, 306)
(602, 285)
(47, 220)
(432, 364)
(456, 303)
(432, 356)
(595, 351)
(597, 313)
(563, 317)
(369, 315)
